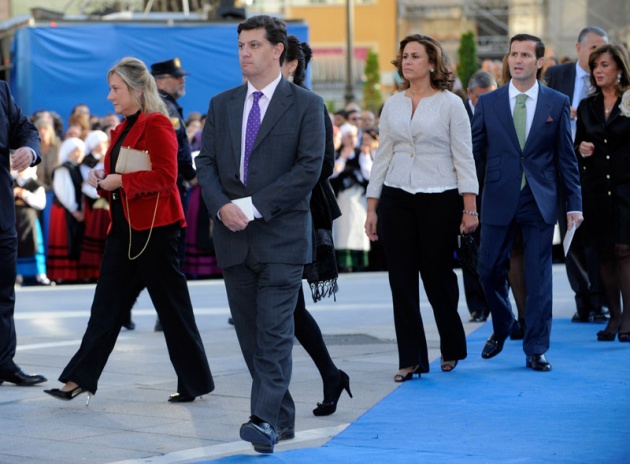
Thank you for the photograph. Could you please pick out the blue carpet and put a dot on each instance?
(496, 410)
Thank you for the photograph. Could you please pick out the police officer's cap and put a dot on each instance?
(172, 67)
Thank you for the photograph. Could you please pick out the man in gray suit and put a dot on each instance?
(262, 151)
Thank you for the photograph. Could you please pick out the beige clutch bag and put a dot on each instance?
(130, 160)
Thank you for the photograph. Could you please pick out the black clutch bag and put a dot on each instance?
(468, 252)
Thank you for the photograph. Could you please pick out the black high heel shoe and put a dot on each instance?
(400, 377)
(69, 395)
(604, 336)
(326, 408)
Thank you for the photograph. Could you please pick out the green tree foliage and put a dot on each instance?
(467, 54)
(372, 98)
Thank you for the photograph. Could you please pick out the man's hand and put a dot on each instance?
(573, 114)
(22, 158)
(233, 217)
(576, 218)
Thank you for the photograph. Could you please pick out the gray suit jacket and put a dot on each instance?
(284, 166)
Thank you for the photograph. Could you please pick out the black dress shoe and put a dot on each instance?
(158, 326)
(478, 317)
(538, 362)
(178, 398)
(260, 434)
(580, 317)
(493, 347)
(285, 434)
(129, 325)
(22, 379)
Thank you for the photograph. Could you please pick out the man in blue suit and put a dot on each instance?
(16, 133)
(523, 129)
(262, 152)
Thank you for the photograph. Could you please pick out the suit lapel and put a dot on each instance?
(235, 119)
(280, 102)
(542, 112)
(502, 108)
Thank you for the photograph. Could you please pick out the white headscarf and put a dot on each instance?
(93, 139)
(68, 146)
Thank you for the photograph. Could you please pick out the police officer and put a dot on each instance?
(171, 82)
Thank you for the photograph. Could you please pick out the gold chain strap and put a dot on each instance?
(131, 258)
(150, 230)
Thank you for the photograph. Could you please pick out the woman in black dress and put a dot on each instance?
(602, 146)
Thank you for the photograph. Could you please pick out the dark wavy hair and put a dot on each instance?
(441, 78)
(302, 53)
(275, 30)
(620, 56)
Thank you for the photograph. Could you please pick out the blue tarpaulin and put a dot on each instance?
(56, 67)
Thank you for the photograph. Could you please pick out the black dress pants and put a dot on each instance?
(8, 264)
(158, 266)
(419, 234)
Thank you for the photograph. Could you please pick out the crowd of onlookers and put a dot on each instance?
(62, 222)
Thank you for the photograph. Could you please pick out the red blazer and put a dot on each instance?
(153, 133)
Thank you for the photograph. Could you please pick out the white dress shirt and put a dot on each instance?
(530, 103)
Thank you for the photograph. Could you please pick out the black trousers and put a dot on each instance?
(8, 265)
(158, 266)
(419, 234)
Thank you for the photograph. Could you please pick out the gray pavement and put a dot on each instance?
(129, 419)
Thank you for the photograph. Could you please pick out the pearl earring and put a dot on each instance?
(619, 78)
(290, 77)
(432, 70)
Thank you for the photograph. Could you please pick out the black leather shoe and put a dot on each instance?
(22, 379)
(493, 347)
(260, 434)
(538, 362)
(177, 398)
(580, 317)
(600, 315)
(158, 326)
(285, 434)
(129, 325)
(478, 317)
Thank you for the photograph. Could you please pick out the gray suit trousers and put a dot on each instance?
(262, 299)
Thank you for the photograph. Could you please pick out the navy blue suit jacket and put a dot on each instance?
(15, 131)
(562, 78)
(548, 158)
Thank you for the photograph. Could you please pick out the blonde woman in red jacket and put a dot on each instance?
(142, 241)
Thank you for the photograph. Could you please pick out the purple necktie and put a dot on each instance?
(253, 124)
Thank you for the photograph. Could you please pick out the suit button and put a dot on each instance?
(605, 140)
(607, 157)
(607, 176)
(609, 193)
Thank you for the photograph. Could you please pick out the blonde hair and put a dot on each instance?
(136, 76)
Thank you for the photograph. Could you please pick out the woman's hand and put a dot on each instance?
(111, 182)
(372, 219)
(94, 176)
(469, 223)
(586, 149)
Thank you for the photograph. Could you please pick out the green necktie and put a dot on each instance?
(520, 124)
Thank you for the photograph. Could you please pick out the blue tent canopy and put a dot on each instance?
(57, 67)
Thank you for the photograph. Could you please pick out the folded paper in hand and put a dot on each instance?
(130, 160)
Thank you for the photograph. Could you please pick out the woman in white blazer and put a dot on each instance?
(424, 183)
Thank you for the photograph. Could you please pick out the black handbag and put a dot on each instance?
(468, 251)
